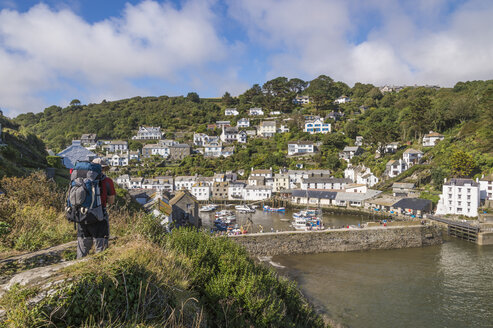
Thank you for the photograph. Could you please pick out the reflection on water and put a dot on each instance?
(279, 221)
(442, 286)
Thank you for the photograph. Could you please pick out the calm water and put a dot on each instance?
(278, 221)
(442, 286)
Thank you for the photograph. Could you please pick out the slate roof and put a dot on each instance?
(327, 180)
(487, 178)
(357, 196)
(74, 153)
(417, 204)
(412, 151)
(321, 194)
(461, 182)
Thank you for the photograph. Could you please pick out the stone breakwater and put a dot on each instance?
(339, 240)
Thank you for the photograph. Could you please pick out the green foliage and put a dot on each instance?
(462, 164)
(54, 161)
(236, 291)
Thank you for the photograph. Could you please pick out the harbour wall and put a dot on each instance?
(339, 240)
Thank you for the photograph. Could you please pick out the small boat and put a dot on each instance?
(274, 209)
(223, 213)
(306, 214)
(244, 209)
(208, 208)
(299, 224)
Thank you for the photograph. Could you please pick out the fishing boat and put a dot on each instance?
(299, 224)
(223, 213)
(306, 213)
(208, 208)
(244, 209)
(274, 209)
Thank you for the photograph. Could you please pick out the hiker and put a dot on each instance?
(98, 232)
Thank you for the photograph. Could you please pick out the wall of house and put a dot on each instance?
(339, 240)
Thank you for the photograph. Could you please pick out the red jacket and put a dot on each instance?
(107, 189)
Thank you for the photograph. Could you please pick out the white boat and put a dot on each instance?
(244, 209)
(208, 208)
(306, 214)
(299, 224)
(224, 213)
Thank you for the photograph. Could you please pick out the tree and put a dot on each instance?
(193, 97)
(228, 100)
(462, 164)
(75, 102)
(297, 85)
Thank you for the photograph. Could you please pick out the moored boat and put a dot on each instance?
(208, 208)
(244, 209)
(274, 209)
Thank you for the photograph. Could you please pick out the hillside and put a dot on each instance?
(463, 114)
(22, 151)
(147, 277)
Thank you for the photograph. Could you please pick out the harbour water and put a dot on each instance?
(274, 221)
(450, 285)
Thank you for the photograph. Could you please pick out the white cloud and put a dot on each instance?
(417, 42)
(43, 48)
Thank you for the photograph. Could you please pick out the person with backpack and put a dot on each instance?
(89, 193)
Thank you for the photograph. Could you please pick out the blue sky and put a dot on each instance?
(56, 50)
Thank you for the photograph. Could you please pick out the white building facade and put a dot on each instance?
(459, 197)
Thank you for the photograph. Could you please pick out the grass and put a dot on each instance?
(147, 278)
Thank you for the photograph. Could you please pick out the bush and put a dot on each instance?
(235, 291)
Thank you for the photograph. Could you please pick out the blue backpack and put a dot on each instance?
(84, 194)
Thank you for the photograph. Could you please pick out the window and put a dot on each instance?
(459, 209)
(458, 203)
(468, 190)
(468, 197)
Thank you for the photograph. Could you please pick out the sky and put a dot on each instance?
(53, 51)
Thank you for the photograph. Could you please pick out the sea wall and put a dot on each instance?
(339, 240)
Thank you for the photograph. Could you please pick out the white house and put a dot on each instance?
(123, 181)
(213, 149)
(275, 113)
(395, 167)
(297, 176)
(281, 182)
(148, 132)
(431, 139)
(486, 188)
(342, 100)
(257, 193)
(201, 191)
(136, 183)
(349, 152)
(186, 182)
(116, 145)
(283, 128)
(243, 123)
(221, 124)
(134, 155)
(459, 197)
(317, 126)
(300, 147)
(231, 112)
(390, 148)
(232, 134)
(118, 160)
(412, 156)
(325, 183)
(261, 173)
(359, 141)
(360, 175)
(227, 151)
(267, 128)
(199, 139)
(301, 100)
(155, 149)
(255, 112)
(236, 190)
(165, 183)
